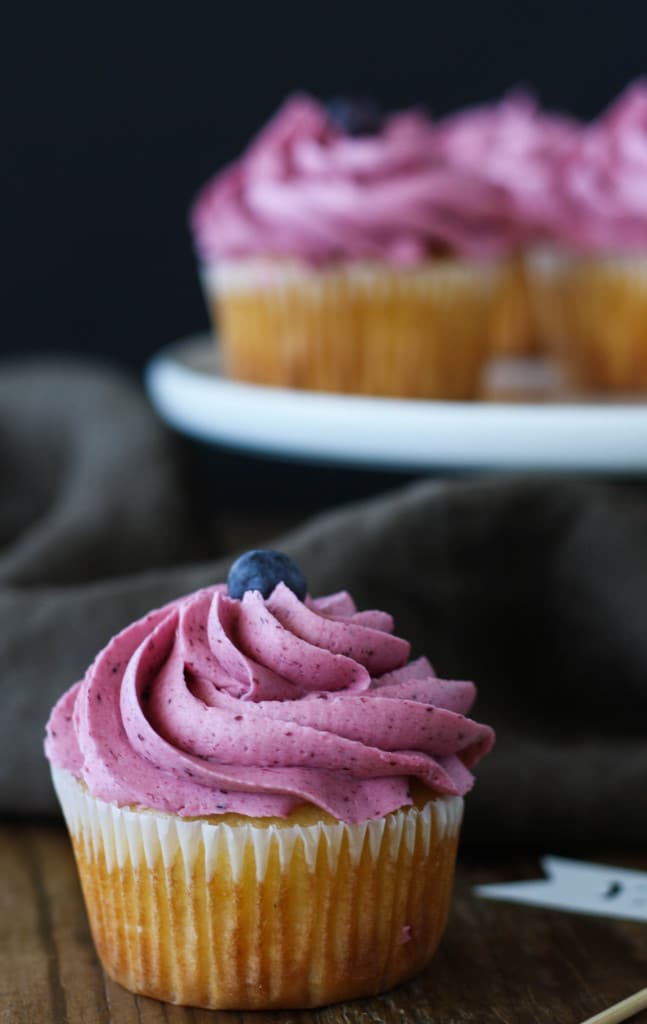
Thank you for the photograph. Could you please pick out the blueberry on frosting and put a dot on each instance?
(355, 116)
(262, 570)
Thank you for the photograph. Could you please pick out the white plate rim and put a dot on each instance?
(390, 433)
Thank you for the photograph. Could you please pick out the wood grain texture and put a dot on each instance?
(498, 963)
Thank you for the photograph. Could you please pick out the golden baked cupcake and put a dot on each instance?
(589, 279)
(264, 795)
(515, 147)
(346, 252)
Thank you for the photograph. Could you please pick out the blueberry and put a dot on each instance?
(262, 570)
(358, 116)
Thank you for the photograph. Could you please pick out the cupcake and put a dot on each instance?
(590, 278)
(264, 795)
(344, 252)
(515, 147)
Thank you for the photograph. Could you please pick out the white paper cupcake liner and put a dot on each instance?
(372, 278)
(142, 836)
(247, 916)
(357, 327)
(592, 308)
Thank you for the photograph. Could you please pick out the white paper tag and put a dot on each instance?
(579, 887)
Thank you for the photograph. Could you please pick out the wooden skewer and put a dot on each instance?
(621, 1011)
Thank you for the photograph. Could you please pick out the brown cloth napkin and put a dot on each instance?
(535, 588)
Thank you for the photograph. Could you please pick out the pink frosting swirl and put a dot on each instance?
(305, 190)
(602, 185)
(517, 149)
(211, 705)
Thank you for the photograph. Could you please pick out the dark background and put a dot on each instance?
(114, 113)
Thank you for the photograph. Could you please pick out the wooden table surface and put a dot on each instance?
(498, 963)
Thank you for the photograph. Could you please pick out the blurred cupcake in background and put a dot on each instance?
(590, 280)
(347, 252)
(515, 147)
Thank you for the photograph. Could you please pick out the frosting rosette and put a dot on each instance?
(602, 185)
(213, 704)
(517, 149)
(306, 190)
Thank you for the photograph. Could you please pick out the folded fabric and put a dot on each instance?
(535, 588)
